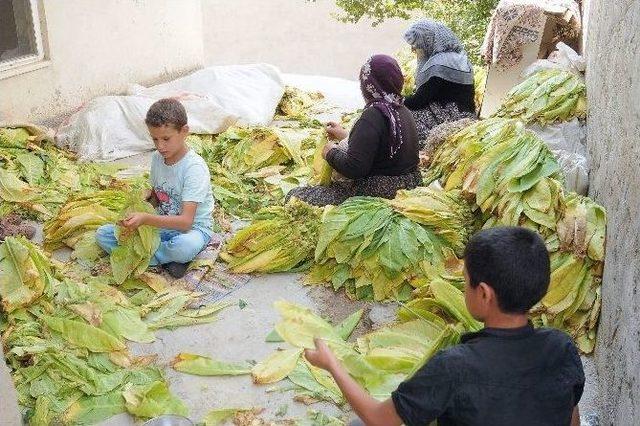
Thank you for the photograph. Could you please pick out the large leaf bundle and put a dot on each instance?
(280, 238)
(508, 171)
(514, 180)
(572, 302)
(252, 168)
(253, 148)
(135, 247)
(299, 105)
(36, 176)
(373, 251)
(446, 213)
(81, 216)
(547, 96)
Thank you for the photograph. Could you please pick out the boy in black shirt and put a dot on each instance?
(506, 374)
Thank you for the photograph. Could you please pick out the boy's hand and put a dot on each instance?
(322, 356)
(134, 220)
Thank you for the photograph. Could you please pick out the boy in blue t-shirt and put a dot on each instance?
(181, 193)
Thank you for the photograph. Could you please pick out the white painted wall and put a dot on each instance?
(298, 36)
(97, 47)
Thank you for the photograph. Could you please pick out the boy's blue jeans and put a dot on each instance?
(175, 246)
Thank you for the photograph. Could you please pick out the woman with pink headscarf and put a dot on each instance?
(382, 148)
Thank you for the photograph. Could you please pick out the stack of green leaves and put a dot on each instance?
(508, 172)
(373, 251)
(514, 180)
(547, 96)
(280, 238)
(298, 105)
(81, 216)
(256, 167)
(135, 247)
(577, 255)
(254, 148)
(36, 177)
(445, 213)
(65, 341)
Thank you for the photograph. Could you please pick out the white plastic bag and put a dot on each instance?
(112, 127)
(568, 143)
(563, 57)
(249, 92)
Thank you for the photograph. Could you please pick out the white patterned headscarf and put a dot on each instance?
(444, 55)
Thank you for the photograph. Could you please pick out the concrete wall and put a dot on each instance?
(96, 47)
(298, 36)
(613, 80)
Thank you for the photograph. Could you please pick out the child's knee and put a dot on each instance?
(105, 230)
(184, 250)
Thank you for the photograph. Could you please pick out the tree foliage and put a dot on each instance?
(467, 18)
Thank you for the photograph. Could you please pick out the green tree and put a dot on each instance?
(467, 18)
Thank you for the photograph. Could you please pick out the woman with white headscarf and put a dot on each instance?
(444, 77)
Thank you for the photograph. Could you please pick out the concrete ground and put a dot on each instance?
(239, 335)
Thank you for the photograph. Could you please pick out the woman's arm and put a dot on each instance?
(364, 140)
(422, 97)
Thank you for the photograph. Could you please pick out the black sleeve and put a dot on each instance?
(576, 364)
(443, 91)
(364, 140)
(427, 395)
(423, 96)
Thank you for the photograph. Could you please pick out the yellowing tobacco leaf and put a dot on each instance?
(276, 367)
(205, 366)
(152, 400)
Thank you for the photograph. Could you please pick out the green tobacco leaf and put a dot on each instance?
(32, 167)
(135, 248)
(152, 400)
(20, 279)
(273, 337)
(205, 366)
(126, 323)
(346, 327)
(95, 409)
(84, 335)
(13, 190)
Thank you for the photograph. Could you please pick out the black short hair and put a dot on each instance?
(167, 112)
(514, 262)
